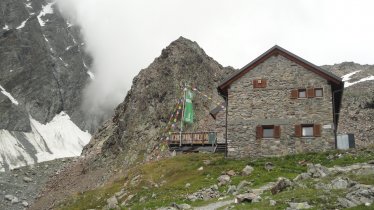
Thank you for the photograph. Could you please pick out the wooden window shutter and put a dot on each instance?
(298, 130)
(294, 94)
(310, 93)
(255, 84)
(277, 131)
(259, 133)
(264, 83)
(317, 130)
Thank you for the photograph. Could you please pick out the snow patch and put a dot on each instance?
(62, 136)
(45, 10)
(347, 84)
(45, 38)
(6, 27)
(7, 94)
(58, 138)
(68, 48)
(69, 24)
(348, 76)
(11, 70)
(92, 76)
(28, 5)
(22, 24)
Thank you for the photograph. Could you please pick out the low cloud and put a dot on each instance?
(125, 36)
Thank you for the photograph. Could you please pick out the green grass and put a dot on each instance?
(166, 179)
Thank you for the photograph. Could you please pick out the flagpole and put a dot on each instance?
(181, 130)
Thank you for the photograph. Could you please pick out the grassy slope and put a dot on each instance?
(162, 183)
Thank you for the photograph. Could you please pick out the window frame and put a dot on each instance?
(315, 92)
(307, 126)
(276, 134)
(268, 127)
(302, 90)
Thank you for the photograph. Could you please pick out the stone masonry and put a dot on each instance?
(250, 107)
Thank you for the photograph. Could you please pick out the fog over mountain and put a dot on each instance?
(124, 36)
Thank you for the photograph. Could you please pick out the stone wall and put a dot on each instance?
(250, 107)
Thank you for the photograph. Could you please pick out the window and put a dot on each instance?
(259, 83)
(301, 93)
(307, 93)
(267, 131)
(308, 130)
(318, 92)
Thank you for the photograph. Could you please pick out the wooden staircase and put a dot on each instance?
(220, 148)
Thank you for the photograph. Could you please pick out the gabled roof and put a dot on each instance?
(276, 50)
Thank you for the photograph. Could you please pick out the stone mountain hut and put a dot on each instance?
(279, 104)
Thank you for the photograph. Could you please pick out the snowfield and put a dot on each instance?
(58, 138)
(347, 77)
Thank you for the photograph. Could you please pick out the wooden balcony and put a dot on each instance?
(201, 138)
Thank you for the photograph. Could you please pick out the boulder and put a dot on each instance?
(27, 179)
(25, 204)
(112, 203)
(317, 170)
(223, 180)
(281, 185)
(295, 206)
(272, 202)
(231, 189)
(231, 173)
(183, 206)
(187, 185)
(200, 169)
(358, 195)
(269, 166)
(9, 197)
(302, 176)
(247, 197)
(340, 183)
(13, 199)
(242, 184)
(247, 170)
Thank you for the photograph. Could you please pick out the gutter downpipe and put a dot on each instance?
(227, 109)
(334, 115)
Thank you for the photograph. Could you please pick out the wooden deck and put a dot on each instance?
(208, 138)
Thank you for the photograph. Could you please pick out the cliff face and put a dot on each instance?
(43, 70)
(357, 113)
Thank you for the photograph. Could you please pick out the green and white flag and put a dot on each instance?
(188, 108)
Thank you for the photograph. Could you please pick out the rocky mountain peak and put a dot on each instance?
(140, 120)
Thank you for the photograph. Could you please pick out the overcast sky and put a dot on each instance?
(125, 36)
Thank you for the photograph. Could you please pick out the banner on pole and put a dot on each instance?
(188, 109)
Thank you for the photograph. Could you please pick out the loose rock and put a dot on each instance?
(281, 185)
(247, 170)
(294, 206)
(231, 173)
(269, 166)
(27, 179)
(112, 203)
(317, 171)
(247, 197)
(231, 189)
(223, 180)
(272, 202)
